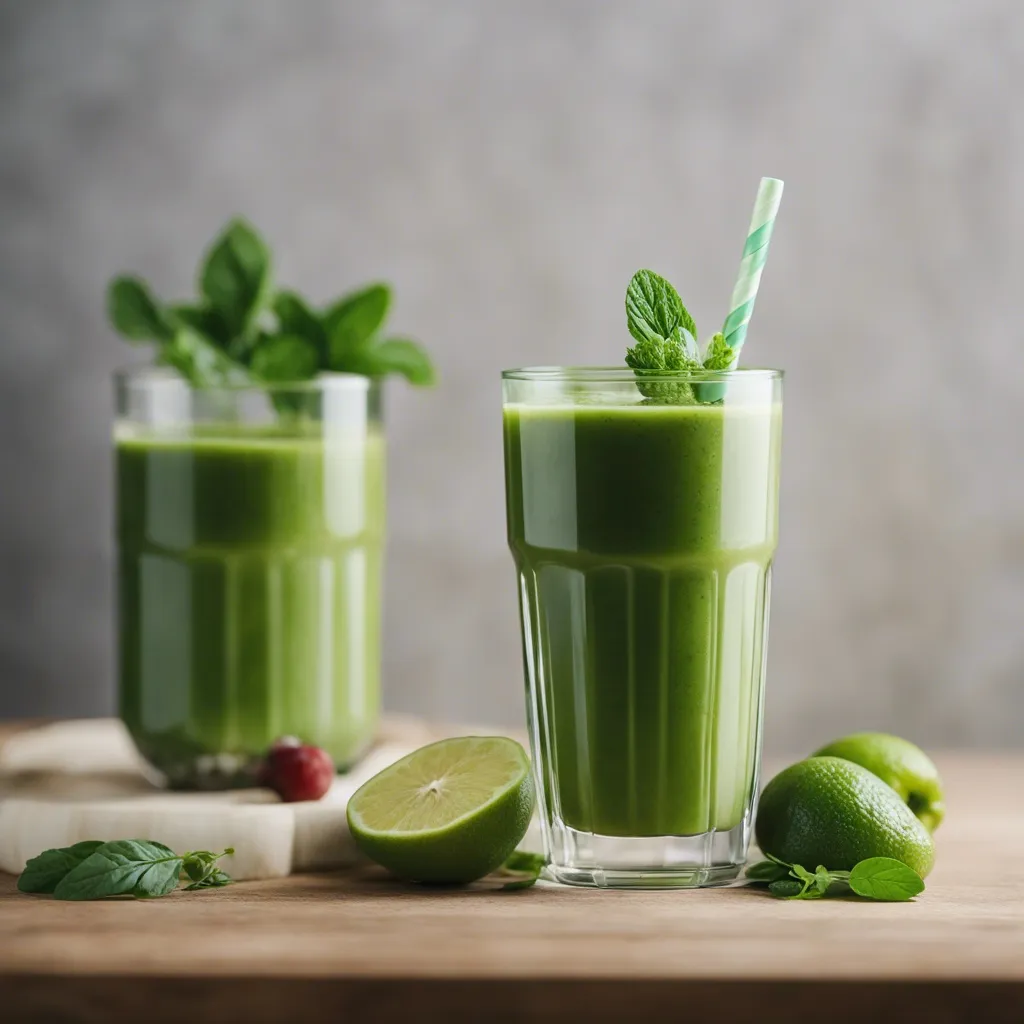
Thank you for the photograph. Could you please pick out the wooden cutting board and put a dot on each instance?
(356, 945)
(68, 781)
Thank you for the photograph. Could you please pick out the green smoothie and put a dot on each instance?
(249, 587)
(643, 536)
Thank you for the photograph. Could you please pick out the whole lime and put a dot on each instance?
(901, 764)
(826, 810)
(450, 812)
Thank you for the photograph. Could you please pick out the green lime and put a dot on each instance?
(451, 812)
(830, 811)
(901, 764)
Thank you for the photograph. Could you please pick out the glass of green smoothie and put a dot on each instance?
(250, 536)
(643, 522)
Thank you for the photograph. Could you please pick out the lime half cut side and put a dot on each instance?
(450, 812)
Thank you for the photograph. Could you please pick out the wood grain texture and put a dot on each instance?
(351, 942)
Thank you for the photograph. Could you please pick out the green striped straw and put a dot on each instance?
(755, 252)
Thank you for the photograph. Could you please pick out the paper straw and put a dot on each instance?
(755, 252)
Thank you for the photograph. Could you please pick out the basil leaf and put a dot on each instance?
(766, 871)
(205, 321)
(395, 355)
(235, 277)
(283, 358)
(655, 310)
(884, 878)
(196, 359)
(135, 313)
(125, 867)
(200, 865)
(43, 873)
(216, 879)
(352, 322)
(294, 316)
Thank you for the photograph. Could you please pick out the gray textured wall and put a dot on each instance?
(509, 165)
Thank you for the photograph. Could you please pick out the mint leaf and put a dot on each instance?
(884, 878)
(353, 321)
(395, 355)
(654, 310)
(284, 358)
(134, 312)
(125, 867)
(655, 357)
(766, 871)
(822, 879)
(235, 277)
(719, 355)
(43, 873)
(664, 333)
(802, 873)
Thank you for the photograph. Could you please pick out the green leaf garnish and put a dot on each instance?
(352, 322)
(201, 867)
(135, 313)
(396, 355)
(216, 879)
(295, 316)
(281, 358)
(884, 878)
(522, 870)
(196, 358)
(718, 356)
(877, 878)
(205, 321)
(126, 867)
(786, 889)
(139, 868)
(42, 873)
(766, 871)
(235, 278)
(654, 311)
(241, 331)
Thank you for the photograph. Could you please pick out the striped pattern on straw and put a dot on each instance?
(755, 252)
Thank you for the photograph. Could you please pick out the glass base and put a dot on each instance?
(647, 862)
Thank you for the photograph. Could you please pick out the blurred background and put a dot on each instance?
(508, 166)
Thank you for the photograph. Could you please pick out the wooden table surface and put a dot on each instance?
(317, 947)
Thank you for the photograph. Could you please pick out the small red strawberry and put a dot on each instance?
(297, 771)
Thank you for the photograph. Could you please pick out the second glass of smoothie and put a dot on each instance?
(250, 535)
(643, 527)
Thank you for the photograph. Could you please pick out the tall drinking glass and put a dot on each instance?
(250, 536)
(643, 527)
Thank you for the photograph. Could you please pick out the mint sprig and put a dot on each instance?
(666, 342)
(140, 868)
(876, 878)
(241, 330)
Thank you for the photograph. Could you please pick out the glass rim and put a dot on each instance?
(624, 375)
(165, 376)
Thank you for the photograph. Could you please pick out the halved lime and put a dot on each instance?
(449, 812)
